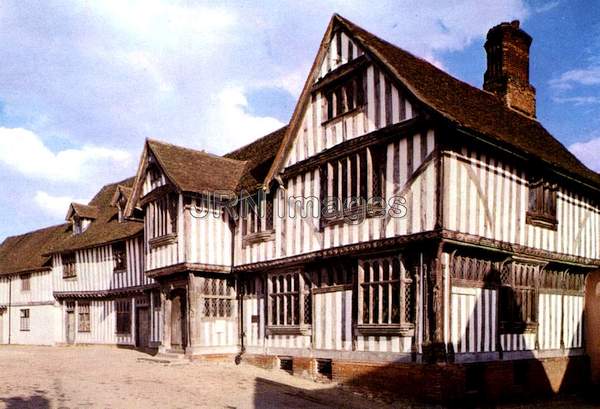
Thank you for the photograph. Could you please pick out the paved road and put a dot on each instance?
(102, 377)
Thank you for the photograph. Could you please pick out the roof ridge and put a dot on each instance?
(54, 226)
(260, 138)
(488, 94)
(201, 152)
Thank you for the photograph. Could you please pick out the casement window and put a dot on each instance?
(352, 184)
(219, 298)
(69, 265)
(25, 282)
(385, 296)
(24, 320)
(119, 253)
(542, 204)
(256, 220)
(344, 98)
(164, 215)
(518, 298)
(123, 310)
(289, 300)
(84, 317)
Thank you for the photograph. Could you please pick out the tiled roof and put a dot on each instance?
(105, 228)
(259, 156)
(196, 171)
(82, 210)
(26, 252)
(470, 107)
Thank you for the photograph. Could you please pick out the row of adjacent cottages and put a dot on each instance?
(404, 225)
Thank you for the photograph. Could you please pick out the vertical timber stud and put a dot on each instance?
(434, 348)
(193, 291)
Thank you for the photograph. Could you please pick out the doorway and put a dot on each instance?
(70, 327)
(2, 327)
(142, 327)
(178, 320)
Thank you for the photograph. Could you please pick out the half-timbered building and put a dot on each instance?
(404, 225)
(98, 275)
(29, 313)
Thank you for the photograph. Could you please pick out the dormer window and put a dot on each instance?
(344, 98)
(121, 206)
(77, 227)
(542, 204)
(80, 216)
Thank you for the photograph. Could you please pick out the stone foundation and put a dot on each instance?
(450, 382)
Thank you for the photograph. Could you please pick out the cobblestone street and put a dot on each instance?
(80, 377)
(103, 377)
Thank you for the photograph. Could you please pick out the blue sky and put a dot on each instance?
(82, 83)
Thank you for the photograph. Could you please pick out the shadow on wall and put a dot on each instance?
(19, 402)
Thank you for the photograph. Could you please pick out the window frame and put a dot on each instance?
(123, 316)
(120, 263)
(396, 285)
(289, 304)
(218, 298)
(25, 319)
(83, 317)
(518, 298)
(69, 265)
(346, 185)
(542, 204)
(346, 96)
(25, 282)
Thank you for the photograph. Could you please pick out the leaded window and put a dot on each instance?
(351, 186)
(386, 291)
(84, 317)
(518, 297)
(69, 265)
(289, 300)
(123, 310)
(345, 97)
(218, 297)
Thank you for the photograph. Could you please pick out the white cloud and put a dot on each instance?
(577, 100)
(583, 76)
(236, 127)
(588, 152)
(54, 206)
(24, 151)
(547, 6)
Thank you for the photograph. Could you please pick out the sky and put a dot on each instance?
(83, 83)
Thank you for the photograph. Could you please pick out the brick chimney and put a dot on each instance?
(507, 73)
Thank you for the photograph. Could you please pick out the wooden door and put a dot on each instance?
(70, 327)
(178, 323)
(142, 326)
(2, 327)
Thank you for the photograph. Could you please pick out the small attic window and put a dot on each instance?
(77, 225)
(80, 224)
(121, 203)
(344, 97)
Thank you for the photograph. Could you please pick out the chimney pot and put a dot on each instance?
(507, 74)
